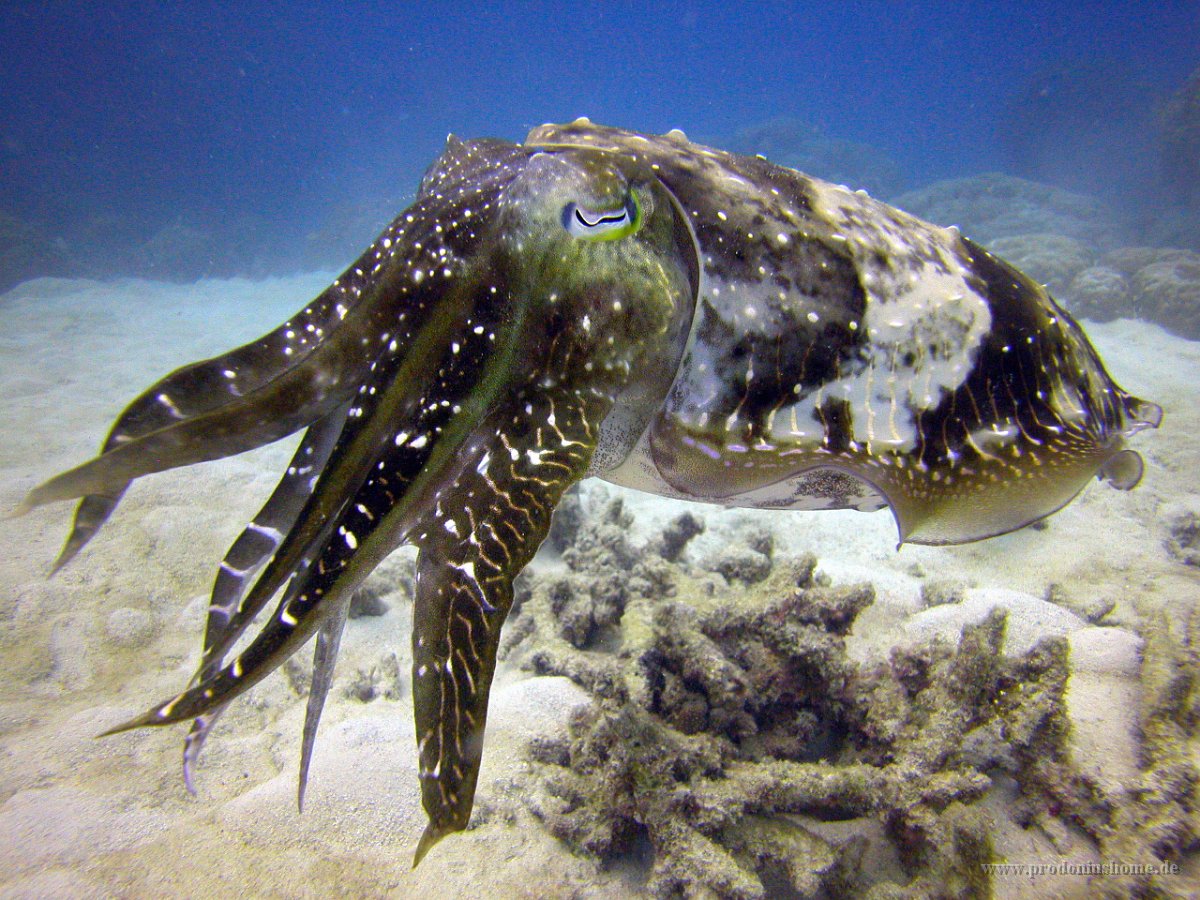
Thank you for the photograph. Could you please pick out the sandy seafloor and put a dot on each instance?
(121, 627)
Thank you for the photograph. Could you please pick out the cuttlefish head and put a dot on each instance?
(596, 269)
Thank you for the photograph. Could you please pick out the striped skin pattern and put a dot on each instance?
(601, 302)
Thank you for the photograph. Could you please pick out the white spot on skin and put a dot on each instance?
(170, 405)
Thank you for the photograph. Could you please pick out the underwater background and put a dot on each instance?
(177, 178)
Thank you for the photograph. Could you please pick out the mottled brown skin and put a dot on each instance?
(637, 307)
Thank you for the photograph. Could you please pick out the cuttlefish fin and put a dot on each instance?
(467, 559)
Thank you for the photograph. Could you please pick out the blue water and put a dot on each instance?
(281, 136)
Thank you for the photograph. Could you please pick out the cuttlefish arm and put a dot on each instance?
(502, 475)
(378, 452)
(297, 373)
(227, 616)
(186, 402)
(224, 419)
(393, 448)
(466, 564)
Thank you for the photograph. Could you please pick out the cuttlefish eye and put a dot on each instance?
(603, 224)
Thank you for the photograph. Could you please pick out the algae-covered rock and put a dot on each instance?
(567, 519)
(367, 601)
(1168, 292)
(1158, 285)
(381, 679)
(677, 534)
(1182, 518)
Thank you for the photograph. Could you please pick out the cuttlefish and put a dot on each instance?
(636, 307)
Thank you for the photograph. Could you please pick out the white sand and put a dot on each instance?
(121, 627)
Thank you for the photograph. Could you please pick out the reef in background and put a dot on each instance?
(1076, 246)
(789, 141)
(736, 749)
(992, 205)
(1180, 121)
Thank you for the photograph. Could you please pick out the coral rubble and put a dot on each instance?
(735, 748)
(1157, 819)
(735, 742)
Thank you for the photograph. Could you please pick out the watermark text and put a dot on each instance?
(1081, 868)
